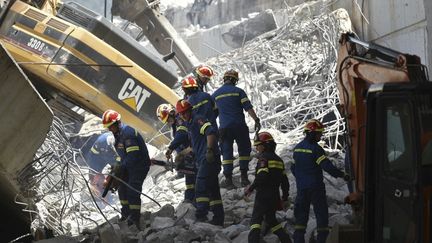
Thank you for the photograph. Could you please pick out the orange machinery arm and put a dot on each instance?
(355, 75)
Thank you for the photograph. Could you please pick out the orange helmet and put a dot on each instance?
(109, 117)
(189, 82)
(183, 105)
(231, 74)
(163, 111)
(263, 137)
(314, 125)
(204, 71)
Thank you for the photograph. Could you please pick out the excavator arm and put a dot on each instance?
(158, 30)
(360, 65)
(386, 104)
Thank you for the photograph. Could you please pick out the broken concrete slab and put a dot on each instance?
(251, 28)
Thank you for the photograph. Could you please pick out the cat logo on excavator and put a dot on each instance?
(133, 94)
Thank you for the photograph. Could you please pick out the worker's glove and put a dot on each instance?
(347, 177)
(116, 168)
(248, 191)
(168, 153)
(257, 125)
(210, 156)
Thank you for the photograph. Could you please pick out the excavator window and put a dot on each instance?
(399, 145)
(396, 215)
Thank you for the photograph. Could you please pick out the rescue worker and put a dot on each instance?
(202, 103)
(204, 145)
(181, 144)
(135, 164)
(309, 162)
(101, 153)
(203, 74)
(269, 176)
(231, 101)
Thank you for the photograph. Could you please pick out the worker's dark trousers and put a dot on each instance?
(190, 187)
(188, 165)
(137, 174)
(239, 134)
(265, 208)
(306, 197)
(207, 192)
(122, 193)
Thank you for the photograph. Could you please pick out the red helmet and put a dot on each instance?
(231, 74)
(189, 82)
(109, 117)
(182, 106)
(263, 137)
(204, 71)
(314, 125)
(163, 112)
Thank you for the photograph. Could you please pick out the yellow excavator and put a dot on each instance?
(85, 65)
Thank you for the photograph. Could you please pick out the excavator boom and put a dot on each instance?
(386, 101)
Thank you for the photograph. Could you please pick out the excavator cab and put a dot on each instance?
(387, 104)
(398, 168)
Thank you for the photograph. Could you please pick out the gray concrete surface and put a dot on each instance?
(400, 25)
(24, 123)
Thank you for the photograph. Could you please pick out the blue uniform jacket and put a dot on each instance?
(270, 175)
(101, 153)
(180, 135)
(231, 101)
(131, 148)
(199, 128)
(204, 105)
(310, 160)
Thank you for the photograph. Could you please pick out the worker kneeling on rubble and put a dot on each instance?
(184, 159)
(134, 166)
(207, 156)
(269, 176)
(101, 153)
(309, 161)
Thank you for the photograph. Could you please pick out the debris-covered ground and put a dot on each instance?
(289, 75)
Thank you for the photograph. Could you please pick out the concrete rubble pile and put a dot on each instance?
(289, 75)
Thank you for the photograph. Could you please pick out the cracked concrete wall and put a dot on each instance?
(25, 121)
(225, 11)
(403, 27)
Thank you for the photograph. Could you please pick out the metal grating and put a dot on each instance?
(70, 14)
(58, 25)
(35, 14)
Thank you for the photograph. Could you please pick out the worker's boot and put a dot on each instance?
(228, 183)
(134, 219)
(244, 178)
(283, 236)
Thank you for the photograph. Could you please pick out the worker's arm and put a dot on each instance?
(327, 165)
(215, 108)
(247, 105)
(262, 174)
(285, 186)
(209, 131)
(132, 148)
(180, 137)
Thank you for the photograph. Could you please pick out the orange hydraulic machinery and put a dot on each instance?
(387, 105)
